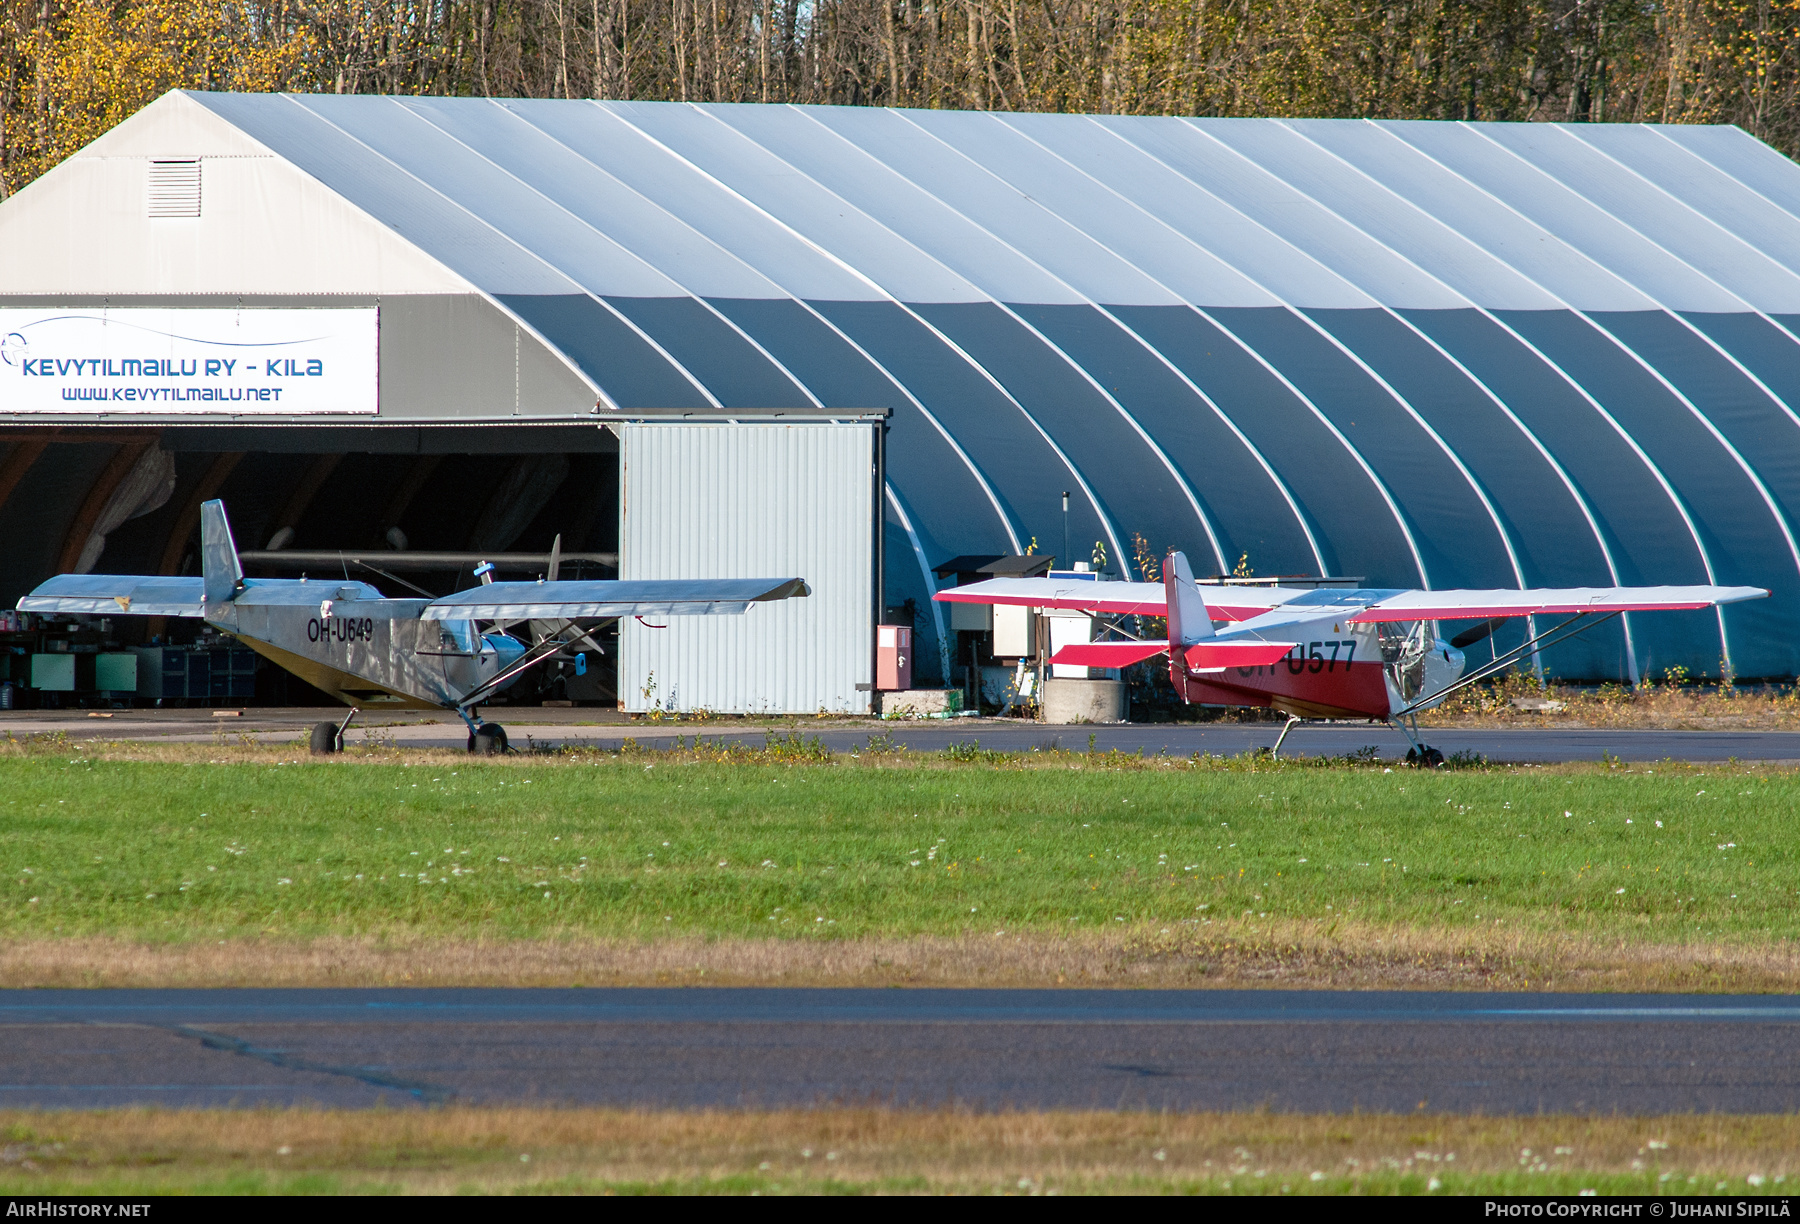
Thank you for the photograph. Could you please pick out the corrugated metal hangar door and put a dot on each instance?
(762, 499)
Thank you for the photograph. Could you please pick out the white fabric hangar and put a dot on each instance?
(1422, 354)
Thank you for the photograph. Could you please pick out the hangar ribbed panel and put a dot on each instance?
(1425, 354)
(751, 501)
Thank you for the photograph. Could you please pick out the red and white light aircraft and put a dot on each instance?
(1324, 653)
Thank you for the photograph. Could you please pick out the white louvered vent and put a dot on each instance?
(175, 188)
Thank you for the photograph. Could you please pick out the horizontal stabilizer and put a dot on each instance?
(117, 595)
(1568, 601)
(1235, 654)
(1208, 654)
(601, 600)
(1107, 654)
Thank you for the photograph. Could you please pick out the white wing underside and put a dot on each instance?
(1472, 605)
(604, 599)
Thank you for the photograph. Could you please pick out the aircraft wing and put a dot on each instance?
(1470, 605)
(1068, 594)
(1242, 603)
(605, 599)
(1115, 598)
(117, 595)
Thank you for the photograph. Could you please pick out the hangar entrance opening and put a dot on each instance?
(368, 502)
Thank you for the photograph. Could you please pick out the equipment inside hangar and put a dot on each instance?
(128, 500)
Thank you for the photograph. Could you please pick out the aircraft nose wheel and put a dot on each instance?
(489, 739)
(325, 738)
(1425, 757)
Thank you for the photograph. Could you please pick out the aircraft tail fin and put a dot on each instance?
(219, 563)
(1189, 620)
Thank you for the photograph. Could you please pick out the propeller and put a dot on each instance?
(1475, 633)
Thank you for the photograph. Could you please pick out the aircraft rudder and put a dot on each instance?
(1189, 621)
(223, 572)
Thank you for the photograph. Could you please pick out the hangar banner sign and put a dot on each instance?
(139, 361)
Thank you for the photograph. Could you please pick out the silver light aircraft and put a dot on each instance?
(346, 638)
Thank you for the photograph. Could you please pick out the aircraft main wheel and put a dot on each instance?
(1433, 759)
(325, 737)
(488, 739)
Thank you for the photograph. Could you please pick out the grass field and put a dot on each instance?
(875, 1151)
(785, 851)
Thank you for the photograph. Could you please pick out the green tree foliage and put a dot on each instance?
(71, 71)
(71, 68)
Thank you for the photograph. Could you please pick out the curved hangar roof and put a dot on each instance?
(1434, 354)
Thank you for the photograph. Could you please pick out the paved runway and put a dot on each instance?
(984, 1049)
(529, 726)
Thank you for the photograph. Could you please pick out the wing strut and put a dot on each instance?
(545, 649)
(1550, 637)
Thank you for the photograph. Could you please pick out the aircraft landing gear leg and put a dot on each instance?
(328, 737)
(1292, 722)
(485, 738)
(1422, 756)
(489, 739)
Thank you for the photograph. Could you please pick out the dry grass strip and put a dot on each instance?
(1664, 707)
(509, 1149)
(1271, 954)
